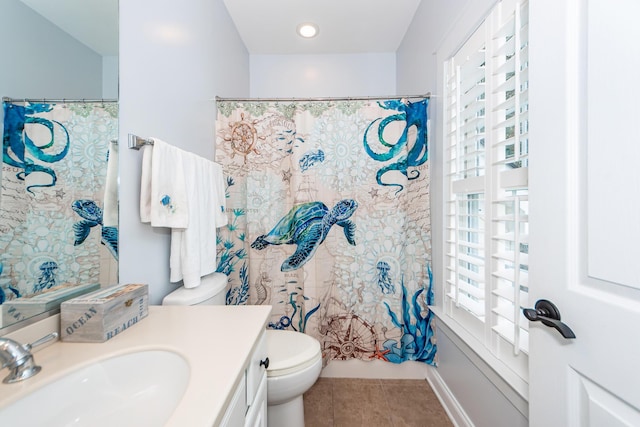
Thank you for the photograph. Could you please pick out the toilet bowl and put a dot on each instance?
(295, 362)
(295, 359)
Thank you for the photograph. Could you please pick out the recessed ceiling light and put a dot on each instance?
(307, 30)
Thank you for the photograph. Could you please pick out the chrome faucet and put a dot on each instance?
(18, 358)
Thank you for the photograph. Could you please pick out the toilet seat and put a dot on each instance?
(290, 351)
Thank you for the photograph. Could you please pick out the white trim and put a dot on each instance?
(514, 178)
(452, 407)
(513, 387)
(466, 23)
(469, 185)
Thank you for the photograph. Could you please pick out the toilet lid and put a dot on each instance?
(290, 351)
(210, 285)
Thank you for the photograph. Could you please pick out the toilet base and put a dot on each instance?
(289, 414)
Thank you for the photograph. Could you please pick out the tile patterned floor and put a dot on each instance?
(348, 402)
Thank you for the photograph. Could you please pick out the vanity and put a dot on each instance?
(212, 357)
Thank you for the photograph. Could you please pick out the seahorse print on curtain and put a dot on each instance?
(329, 222)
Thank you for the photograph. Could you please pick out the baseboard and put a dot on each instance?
(448, 401)
(355, 368)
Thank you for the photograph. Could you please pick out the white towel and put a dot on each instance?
(221, 198)
(193, 250)
(145, 184)
(110, 211)
(168, 198)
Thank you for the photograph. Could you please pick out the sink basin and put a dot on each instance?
(140, 389)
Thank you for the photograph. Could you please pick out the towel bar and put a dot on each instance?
(135, 142)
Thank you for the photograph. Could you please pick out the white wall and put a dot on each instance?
(41, 61)
(110, 77)
(296, 76)
(483, 396)
(416, 55)
(466, 381)
(174, 60)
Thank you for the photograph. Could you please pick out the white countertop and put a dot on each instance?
(216, 341)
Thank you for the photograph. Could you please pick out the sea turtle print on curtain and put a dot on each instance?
(307, 225)
(329, 222)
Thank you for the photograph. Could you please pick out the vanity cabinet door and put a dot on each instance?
(248, 406)
(235, 413)
(257, 367)
(257, 415)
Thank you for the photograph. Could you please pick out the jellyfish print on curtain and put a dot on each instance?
(329, 222)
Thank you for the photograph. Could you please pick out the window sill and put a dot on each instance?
(511, 385)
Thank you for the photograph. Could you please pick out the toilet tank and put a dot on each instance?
(210, 292)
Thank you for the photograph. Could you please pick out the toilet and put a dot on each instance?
(295, 362)
(295, 359)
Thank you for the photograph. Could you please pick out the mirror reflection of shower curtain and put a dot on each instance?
(329, 222)
(53, 178)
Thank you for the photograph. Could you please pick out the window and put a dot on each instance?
(486, 197)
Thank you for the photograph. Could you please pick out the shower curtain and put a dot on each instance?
(52, 230)
(329, 221)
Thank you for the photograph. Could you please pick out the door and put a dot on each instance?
(585, 211)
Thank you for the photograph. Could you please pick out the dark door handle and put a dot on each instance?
(546, 312)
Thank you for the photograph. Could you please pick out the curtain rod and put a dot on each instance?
(345, 98)
(54, 101)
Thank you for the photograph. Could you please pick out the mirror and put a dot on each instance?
(58, 204)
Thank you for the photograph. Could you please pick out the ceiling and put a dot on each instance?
(265, 26)
(346, 26)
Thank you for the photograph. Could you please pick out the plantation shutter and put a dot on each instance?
(486, 178)
(510, 146)
(465, 224)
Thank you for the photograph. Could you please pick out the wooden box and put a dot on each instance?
(101, 315)
(23, 308)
